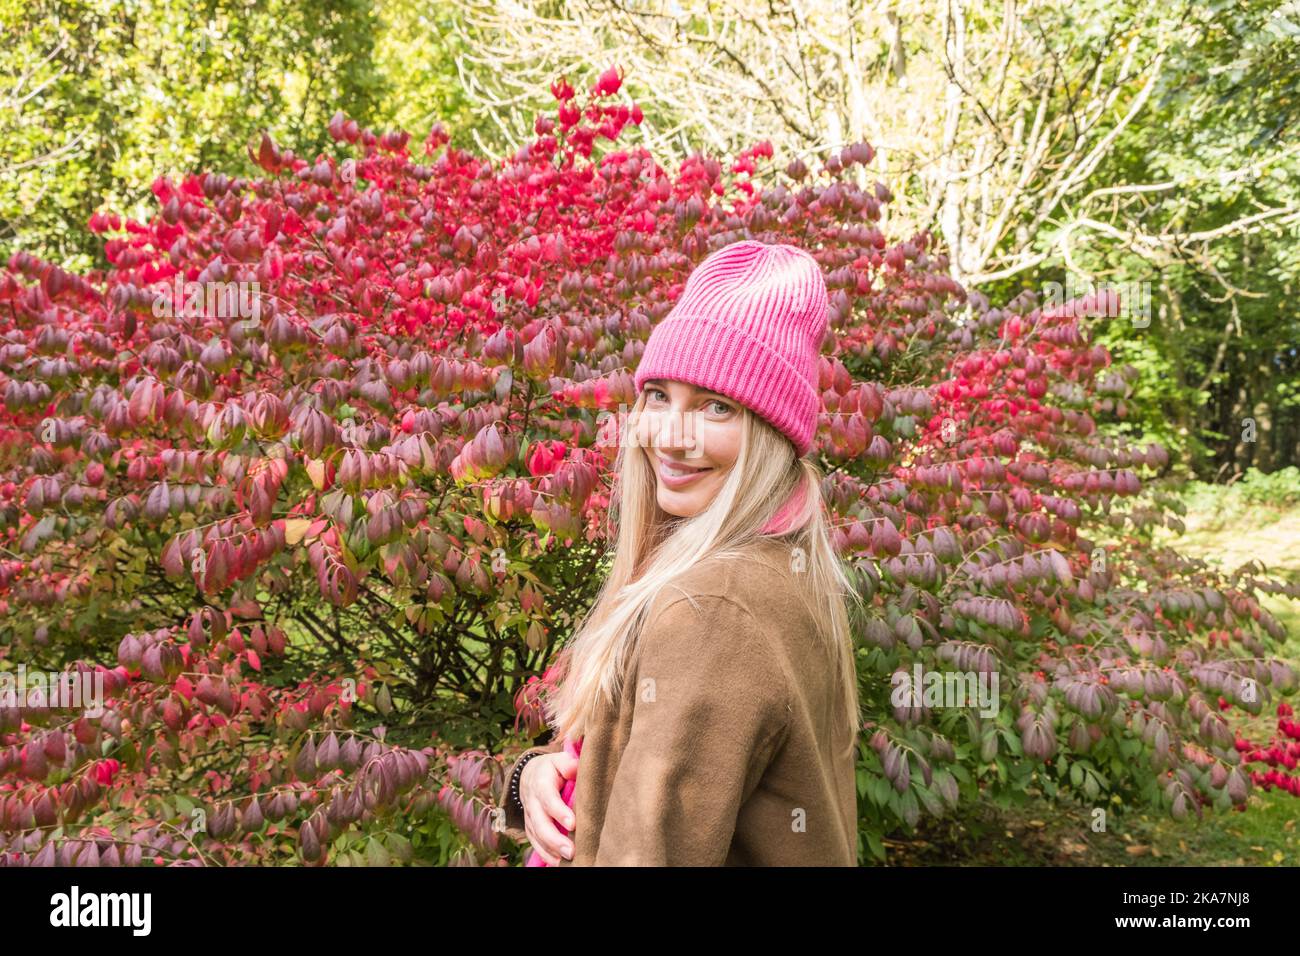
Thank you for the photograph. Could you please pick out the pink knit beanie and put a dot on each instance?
(748, 325)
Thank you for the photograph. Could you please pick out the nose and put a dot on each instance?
(672, 431)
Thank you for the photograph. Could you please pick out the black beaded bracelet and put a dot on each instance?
(513, 796)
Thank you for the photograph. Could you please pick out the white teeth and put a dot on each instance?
(678, 471)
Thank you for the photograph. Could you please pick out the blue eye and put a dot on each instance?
(658, 394)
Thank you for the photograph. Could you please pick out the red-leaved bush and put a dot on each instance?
(314, 479)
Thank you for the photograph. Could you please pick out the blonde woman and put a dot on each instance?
(712, 685)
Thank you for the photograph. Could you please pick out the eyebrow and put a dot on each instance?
(705, 391)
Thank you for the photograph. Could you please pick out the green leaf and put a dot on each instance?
(876, 846)
(910, 810)
(1090, 787)
(376, 854)
(933, 805)
(400, 846)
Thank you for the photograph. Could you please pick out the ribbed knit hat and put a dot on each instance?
(748, 325)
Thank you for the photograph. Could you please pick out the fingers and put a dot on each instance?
(553, 805)
(552, 796)
(544, 806)
(566, 765)
(546, 839)
(547, 857)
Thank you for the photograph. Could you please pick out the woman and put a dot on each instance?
(712, 685)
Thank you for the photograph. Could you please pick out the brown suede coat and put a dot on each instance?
(728, 746)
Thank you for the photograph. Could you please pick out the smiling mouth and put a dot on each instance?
(673, 471)
(679, 469)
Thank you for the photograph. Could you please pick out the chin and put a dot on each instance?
(679, 508)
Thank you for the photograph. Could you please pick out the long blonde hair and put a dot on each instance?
(653, 549)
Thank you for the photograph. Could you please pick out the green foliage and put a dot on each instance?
(106, 95)
(1206, 184)
(1277, 489)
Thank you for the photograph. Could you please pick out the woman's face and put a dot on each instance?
(692, 436)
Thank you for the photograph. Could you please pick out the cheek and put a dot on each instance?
(722, 443)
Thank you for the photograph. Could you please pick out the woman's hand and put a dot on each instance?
(540, 786)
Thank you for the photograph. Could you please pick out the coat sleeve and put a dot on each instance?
(512, 817)
(711, 708)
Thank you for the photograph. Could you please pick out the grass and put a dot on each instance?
(1042, 832)
(1045, 833)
